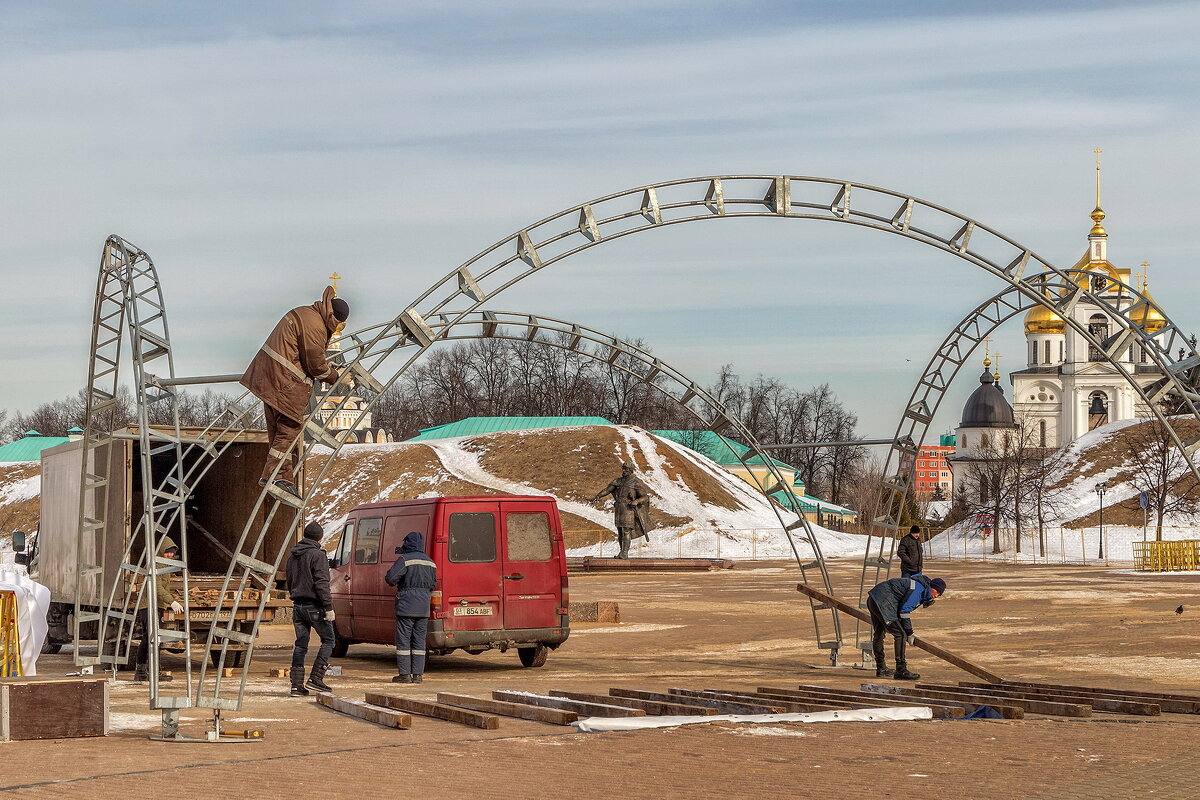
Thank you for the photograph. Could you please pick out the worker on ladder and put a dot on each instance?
(282, 375)
(164, 599)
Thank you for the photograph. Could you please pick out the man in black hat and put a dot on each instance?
(890, 604)
(909, 552)
(308, 585)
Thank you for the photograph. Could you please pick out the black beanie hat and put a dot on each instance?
(341, 309)
(915, 529)
(313, 530)
(939, 584)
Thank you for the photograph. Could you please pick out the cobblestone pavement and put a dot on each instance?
(742, 629)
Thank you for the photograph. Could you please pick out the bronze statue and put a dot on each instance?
(630, 502)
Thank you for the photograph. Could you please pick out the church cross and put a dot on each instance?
(333, 279)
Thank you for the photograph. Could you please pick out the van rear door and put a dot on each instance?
(471, 572)
(532, 574)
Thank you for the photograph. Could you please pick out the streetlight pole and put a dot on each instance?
(1100, 487)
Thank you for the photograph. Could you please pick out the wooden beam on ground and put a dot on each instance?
(1030, 706)
(425, 708)
(927, 646)
(360, 710)
(551, 716)
(1142, 708)
(764, 706)
(805, 690)
(651, 707)
(790, 705)
(578, 706)
(722, 706)
(1171, 703)
(941, 709)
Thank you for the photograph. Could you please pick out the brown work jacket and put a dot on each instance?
(283, 370)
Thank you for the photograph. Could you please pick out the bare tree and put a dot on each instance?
(1160, 470)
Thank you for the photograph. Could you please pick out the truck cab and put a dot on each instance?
(501, 574)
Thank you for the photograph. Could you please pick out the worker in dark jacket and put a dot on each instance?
(312, 607)
(890, 603)
(909, 552)
(282, 375)
(165, 599)
(414, 575)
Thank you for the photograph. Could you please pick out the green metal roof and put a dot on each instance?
(946, 440)
(29, 447)
(810, 503)
(473, 426)
(716, 447)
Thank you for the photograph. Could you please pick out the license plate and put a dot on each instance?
(206, 615)
(472, 611)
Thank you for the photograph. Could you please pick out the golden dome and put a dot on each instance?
(1098, 217)
(1042, 320)
(1149, 318)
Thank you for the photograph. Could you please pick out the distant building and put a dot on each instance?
(475, 426)
(30, 446)
(932, 474)
(987, 421)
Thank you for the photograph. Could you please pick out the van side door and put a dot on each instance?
(339, 580)
(532, 577)
(366, 557)
(471, 572)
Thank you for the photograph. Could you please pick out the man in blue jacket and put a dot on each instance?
(414, 575)
(890, 603)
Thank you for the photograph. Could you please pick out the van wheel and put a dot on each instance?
(533, 656)
(340, 645)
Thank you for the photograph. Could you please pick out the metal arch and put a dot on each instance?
(561, 235)
(390, 337)
(941, 370)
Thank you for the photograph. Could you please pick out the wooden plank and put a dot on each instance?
(790, 705)
(927, 646)
(651, 707)
(722, 706)
(765, 707)
(1173, 703)
(578, 706)
(805, 690)
(1117, 706)
(1031, 706)
(53, 708)
(360, 710)
(425, 708)
(551, 716)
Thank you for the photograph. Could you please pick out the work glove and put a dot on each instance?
(176, 607)
(912, 637)
(330, 616)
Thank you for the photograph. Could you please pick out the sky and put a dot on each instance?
(253, 148)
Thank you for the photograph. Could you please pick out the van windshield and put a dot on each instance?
(472, 537)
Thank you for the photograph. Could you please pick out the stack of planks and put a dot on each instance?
(1047, 698)
(597, 564)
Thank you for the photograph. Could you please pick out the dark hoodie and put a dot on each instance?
(414, 575)
(308, 575)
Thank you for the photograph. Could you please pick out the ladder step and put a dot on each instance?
(87, 616)
(91, 481)
(134, 568)
(171, 636)
(363, 378)
(91, 524)
(112, 612)
(810, 565)
(168, 566)
(318, 433)
(285, 497)
(212, 701)
(232, 635)
(821, 606)
(834, 645)
(90, 570)
(182, 701)
(255, 565)
(877, 562)
(794, 525)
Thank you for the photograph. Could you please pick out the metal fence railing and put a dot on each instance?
(1117, 545)
(1178, 556)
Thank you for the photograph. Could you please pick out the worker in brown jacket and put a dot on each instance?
(282, 375)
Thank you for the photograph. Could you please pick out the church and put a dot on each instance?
(1068, 388)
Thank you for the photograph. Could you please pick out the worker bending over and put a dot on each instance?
(890, 603)
(282, 375)
(414, 575)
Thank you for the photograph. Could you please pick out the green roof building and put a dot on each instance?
(474, 426)
(30, 446)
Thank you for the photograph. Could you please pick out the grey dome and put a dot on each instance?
(987, 407)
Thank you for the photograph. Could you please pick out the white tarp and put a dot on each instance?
(598, 724)
(33, 604)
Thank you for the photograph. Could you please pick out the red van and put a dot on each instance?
(501, 574)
